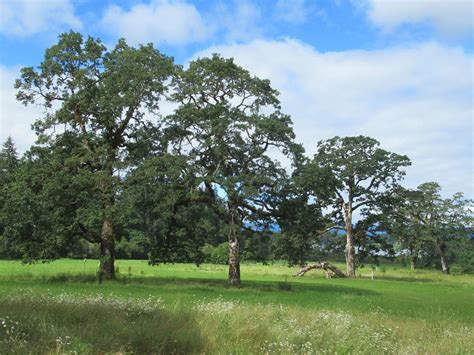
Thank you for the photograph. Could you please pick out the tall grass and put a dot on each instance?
(95, 324)
(108, 324)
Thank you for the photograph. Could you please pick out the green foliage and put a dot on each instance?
(162, 203)
(464, 256)
(258, 246)
(223, 113)
(44, 202)
(301, 223)
(430, 230)
(9, 163)
(220, 254)
(354, 167)
(8, 160)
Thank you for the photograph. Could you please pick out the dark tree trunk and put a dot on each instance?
(107, 250)
(107, 233)
(234, 254)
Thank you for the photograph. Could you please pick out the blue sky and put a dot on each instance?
(398, 70)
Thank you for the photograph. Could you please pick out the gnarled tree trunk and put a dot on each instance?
(234, 261)
(234, 254)
(350, 248)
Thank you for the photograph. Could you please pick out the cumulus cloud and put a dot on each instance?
(415, 100)
(15, 119)
(25, 17)
(449, 17)
(160, 21)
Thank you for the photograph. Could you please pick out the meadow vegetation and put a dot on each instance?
(61, 307)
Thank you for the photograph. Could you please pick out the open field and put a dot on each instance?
(60, 307)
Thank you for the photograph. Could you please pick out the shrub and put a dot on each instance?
(220, 254)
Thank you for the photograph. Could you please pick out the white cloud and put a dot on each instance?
(449, 17)
(237, 20)
(15, 119)
(292, 11)
(415, 100)
(160, 21)
(26, 17)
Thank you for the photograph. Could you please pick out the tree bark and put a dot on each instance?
(350, 248)
(413, 261)
(107, 233)
(234, 255)
(442, 256)
(107, 250)
(444, 264)
(350, 254)
(234, 261)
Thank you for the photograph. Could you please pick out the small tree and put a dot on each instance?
(9, 164)
(102, 97)
(443, 220)
(228, 121)
(352, 174)
(49, 204)
(8, 158)
(301, 221)
(400, 221)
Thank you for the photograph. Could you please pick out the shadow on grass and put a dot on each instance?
(212, 285)
(406, 279)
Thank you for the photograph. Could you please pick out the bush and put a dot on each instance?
(464, 262)
(220, 254)
(216, 254)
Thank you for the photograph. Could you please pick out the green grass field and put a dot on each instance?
(59, 307)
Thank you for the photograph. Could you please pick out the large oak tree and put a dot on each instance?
(230, 121)
(102, 97)
(352, 174)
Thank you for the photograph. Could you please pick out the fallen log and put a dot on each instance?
(331, 270)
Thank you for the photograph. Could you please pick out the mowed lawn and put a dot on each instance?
(182, 308)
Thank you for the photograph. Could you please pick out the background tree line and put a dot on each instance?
(111, 176)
